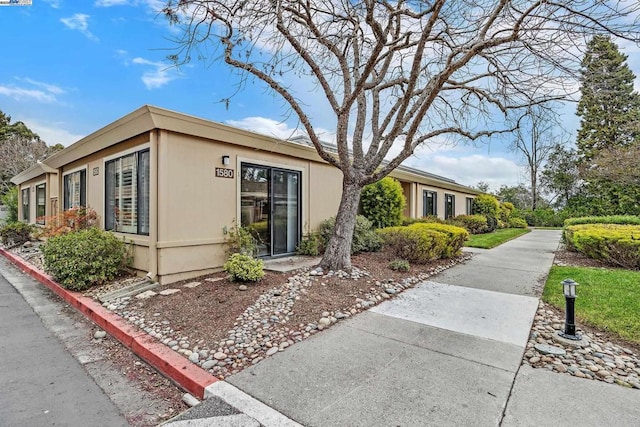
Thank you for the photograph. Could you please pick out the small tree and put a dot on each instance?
(383, 202)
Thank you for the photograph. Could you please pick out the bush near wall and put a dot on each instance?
(475, 224)
(383, 202)
(613, 243)
(422, 242)
(456, 236)
(244, 268)
(16, 233)
(415, 244)
(425, 219)
(610, 219)
(364, 239)
(81, 259)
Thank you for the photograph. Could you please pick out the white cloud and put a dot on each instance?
(53, 3)
(80, 22)
(471, 169)
(159, 75)
(56, 90)
(24, 94)
(109, 3)
(52, 133)
(33, 91)
(276, 129)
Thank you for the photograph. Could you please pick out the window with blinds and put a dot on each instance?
(41, 203)
(25, 204)
(75, 190)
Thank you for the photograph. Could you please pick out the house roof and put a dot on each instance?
(33, 172)
(148, 118)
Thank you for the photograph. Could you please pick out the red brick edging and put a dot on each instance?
(175, 367)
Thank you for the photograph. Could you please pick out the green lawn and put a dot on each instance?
(498, 237)
(607, 299)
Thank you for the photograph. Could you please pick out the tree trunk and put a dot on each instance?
(534, 189)
(337, 255)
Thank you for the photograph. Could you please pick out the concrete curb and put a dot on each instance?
(175, 367)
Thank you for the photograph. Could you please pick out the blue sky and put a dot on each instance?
(70, 67)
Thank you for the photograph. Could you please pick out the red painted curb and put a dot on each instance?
(173, 366)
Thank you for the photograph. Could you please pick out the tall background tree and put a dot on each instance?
(20, 148)
(396, 74)
(534, 139)
(609, 132)
(560, 175)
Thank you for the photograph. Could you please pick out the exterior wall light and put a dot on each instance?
(226, 160)
(569, 290)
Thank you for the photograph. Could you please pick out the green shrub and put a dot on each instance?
(243, 268)
(10, 200)
(506, 210)
(613, 243)
(456, 236)
(475, 224)
(428, 219)
(81, 259)
(492, 223)
(383, 202)
(517, 223)
(364, 238)
(611, 219)
(416, 244)
(399, 265)
(541, 217)
(486, 204)
(309, 246)
(16, 233)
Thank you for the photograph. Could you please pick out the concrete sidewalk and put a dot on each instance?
(42, 384)
(447, 352)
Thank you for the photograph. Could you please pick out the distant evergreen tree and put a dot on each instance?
(608, 106)
(610, 112)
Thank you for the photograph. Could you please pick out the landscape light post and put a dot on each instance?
(569, 290)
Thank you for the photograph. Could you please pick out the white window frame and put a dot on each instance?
(86, 177)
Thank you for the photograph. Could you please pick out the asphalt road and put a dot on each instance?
(42, 384)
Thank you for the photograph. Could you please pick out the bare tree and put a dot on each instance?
(539, 132)
(399, 73)
(617, 164)
(18, 153)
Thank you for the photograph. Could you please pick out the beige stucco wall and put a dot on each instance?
(195, 207)
(95, 191)
(51, 189)
(460, 200)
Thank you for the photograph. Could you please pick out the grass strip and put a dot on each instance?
(608, 299)
(498, 237)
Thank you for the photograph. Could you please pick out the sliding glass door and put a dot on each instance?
(270, 207)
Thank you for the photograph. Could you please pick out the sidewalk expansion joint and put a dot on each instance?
(437, 351)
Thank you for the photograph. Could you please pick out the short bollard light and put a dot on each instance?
(569, 290)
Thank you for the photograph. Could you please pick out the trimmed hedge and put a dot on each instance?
(610, 219)
(422, 242)
(475, 224)
(456, 236)
(517, 223)
(415, 244)
(613, 243)
(81, 259)
(425, 219)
